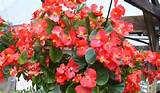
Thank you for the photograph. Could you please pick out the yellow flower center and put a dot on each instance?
(102, 59)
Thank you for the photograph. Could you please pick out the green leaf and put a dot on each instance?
(92, 15)
(88, 26)
(37, 46)
(56, 89)
(5, 40)
(6, 71)
(81, 61)
(95, 90)
(90, 56)
(42, 59)
(80, 7)
(50, 86)
(55, 54)
(116, 88)
(48, 43)
(70, 89)
(51, 24)
(93, 33)
(102, 74)
(109, 27)
(65, 19)
(2, 47)
(47, 78)
(76, 24)
(23, 58)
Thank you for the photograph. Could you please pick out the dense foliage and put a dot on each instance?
(71, 48)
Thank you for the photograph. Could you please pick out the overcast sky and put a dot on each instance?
(20, 11)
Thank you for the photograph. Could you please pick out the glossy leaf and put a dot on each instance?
(102, 74)
(92, 34)
(90, 56)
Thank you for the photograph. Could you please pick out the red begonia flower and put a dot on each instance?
(132, 83)
(72, 68)
(80, 1)
(81, 89)
(117, 12)
(34, 69)
(151, 56)
(61, 78)
(100, 39)
(82, 46)
(69, 14)
(89, 78)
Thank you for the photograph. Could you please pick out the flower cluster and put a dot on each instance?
(72, 47)
(8, 56)
(66, 72)
(88, 82)
(132, 83)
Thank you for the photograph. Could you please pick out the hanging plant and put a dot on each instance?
(70, 47)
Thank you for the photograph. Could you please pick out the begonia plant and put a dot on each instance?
(69, 47)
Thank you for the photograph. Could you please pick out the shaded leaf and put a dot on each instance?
(81, 61)
(5, 40)
(55, 54)
(56, 89)
(51, 24)
(70, 89)
(92, 15)
(116, 88)
(96, 90)
(88, 26)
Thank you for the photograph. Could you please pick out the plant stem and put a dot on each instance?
(110, 6)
